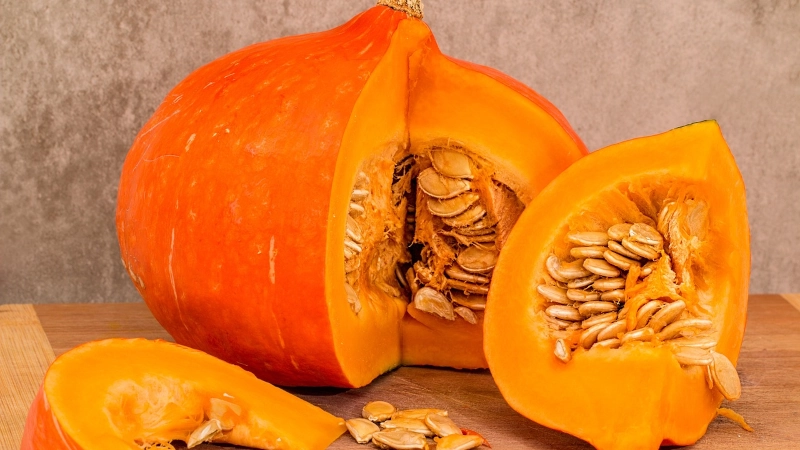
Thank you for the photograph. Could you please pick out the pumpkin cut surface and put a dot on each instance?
(629, 271)
(140, 394)
(323, 208)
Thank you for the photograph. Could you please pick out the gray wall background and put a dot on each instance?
(79, 78)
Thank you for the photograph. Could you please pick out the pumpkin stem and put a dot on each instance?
(411, 7)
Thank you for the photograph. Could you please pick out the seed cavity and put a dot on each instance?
(623, 287)
(438, 222)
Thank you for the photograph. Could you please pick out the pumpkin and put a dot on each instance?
(136, 393)
(618, 306)
(287, 203)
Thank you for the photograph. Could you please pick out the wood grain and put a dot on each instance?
(25, 355)
(769, 367)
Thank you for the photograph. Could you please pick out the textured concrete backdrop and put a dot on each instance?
(79, 78)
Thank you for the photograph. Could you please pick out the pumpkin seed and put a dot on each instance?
(553, 264)
(599, 318)
(378, 411)
(467, 217)
(644, 233)
(356, 209)
(573, 270)
(667, 315)
(206, 432)
(563, 312)
(618, 260)
(352, 246)
(647, 269)
(424, 273)
(451, 163)
(607, 343)
(600, 267)
(441, 425)
(359, 194)
(594, 251)
(616, 247)
(438, 186)
(406, 423)
(725, 377)
(458, 442)
(353, 230)
(558, 323)
(458, 274)
(642, 250)
(709, 377)
(466, 314)
(453, 206)
(646, 312)
(596, 307)
(562, 351)
(478, 259)
(588, 238)
(589, 336)
(432, 301)
(642, 334)
(583, 282)
(473, 302)
(352, 263)
(676, 327)
(361, 429)
(418, 413)
(609, 284)
(619, 231)
(706, 342)
(612, 330)
(553, 293)
(617, 295)
(399, 439)
(693, 356)
(400, 277)
(481, 226)
(468, 288)
(352, 298)
(578, 295)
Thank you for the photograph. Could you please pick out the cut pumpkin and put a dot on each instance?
(286, 202)
(618, 306)
(140, 394)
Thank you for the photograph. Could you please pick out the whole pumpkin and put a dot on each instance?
(322, 208)
(625, 285)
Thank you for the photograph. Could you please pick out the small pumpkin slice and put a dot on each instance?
(136, 393)
(681, 197)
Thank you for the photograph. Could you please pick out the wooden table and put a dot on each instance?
(769, 366)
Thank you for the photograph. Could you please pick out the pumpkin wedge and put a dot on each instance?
(135, 393)
(287, 202)
(617, 308)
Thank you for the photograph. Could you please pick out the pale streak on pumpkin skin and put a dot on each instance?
(172, 278)
(272, 254)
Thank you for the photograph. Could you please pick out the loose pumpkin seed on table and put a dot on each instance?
(660, 223)
(408, 428)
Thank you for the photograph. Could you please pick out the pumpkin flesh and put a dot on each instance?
(123, 394)
(638, 395)
(234, 199)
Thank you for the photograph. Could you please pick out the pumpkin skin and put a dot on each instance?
(637, 396)
(88, 400)
(233, 198)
